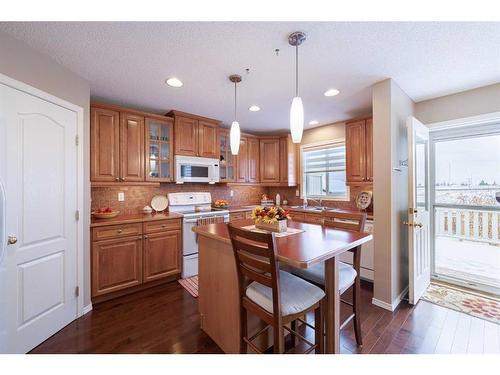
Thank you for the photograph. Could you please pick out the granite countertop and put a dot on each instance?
(244, 208)
(134, 218)
(300, 209)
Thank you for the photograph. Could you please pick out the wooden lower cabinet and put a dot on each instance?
(116, 264)
(306, 217)
(124, 258)
(161, 255)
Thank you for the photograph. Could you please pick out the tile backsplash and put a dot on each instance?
(136, 197)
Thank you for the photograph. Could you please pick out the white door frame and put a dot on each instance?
(15, 84)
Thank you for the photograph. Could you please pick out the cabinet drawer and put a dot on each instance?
(116, 231)
(237, 216)
(159, 226)
(313, 218)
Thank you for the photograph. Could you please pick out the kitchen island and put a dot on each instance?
(218, 282)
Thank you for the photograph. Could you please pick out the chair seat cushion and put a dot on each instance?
(316, 274)
(297, 295)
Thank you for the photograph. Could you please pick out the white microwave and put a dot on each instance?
(196, 169)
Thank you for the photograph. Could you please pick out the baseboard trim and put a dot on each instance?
(87, 309)
(390, 306)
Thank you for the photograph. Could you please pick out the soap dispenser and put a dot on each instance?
(278, 199)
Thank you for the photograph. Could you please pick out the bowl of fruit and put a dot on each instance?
(105, 213)
(221, 203)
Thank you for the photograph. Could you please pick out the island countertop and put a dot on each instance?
(314, 245)
(218, 281)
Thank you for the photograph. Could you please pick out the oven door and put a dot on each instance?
(189, 238)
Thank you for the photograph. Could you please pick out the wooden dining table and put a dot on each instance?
(314, 244)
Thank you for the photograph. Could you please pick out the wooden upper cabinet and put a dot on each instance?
(131, 147)
(208, 139)
(253, 159)
(359, 152)
(270, 160)
(159, 149)
(127, 145)
(242, 169)
(186, 136)
(288, 161)
(369, 150)
(227, 161)
(105, 145)
(195, 135)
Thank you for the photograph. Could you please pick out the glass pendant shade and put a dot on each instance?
(296, 119)
(234, 137)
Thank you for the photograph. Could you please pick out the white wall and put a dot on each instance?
(21, 62)
(391, 108)
(463, 104)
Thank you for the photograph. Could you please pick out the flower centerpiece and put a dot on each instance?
(273, 219)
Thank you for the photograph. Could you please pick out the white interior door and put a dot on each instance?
(38, 269)
(418, 209)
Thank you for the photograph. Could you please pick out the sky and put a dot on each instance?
(476, 159)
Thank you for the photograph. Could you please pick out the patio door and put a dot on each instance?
(418, 209)
(465, 200)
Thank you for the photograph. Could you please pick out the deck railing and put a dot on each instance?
(479, 224)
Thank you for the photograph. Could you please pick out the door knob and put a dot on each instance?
(407, 223)
(420, 225)
(11, 240)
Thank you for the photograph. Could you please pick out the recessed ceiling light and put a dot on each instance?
(174, 82)
(331, 92)
(313, 122)
(254, 108)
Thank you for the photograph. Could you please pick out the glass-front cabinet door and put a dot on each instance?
(227, 167)
(159, 147)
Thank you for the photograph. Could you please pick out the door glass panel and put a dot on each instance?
(164, 170)
(165, 136)
(153, 150)
(467, 211)
(153, 168)
(164, 150)
(154, 132)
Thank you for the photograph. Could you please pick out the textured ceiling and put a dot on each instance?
(127, 63)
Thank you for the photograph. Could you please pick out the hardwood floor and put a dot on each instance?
(164, 319)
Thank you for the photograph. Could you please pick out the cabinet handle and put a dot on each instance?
(120, 230)
(164, 226)
(117, 178)
(145, 237)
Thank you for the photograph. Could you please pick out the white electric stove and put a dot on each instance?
(193, 206)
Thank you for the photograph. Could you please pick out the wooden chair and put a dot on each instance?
(348, 275)
(277, 297)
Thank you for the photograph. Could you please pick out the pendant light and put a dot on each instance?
(235, 133)
(297, 109)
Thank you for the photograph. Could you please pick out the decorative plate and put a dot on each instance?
(363, 200)
(159, 203)
(105, 215)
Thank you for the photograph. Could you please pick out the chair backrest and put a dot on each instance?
(353, 221)
(255, 258)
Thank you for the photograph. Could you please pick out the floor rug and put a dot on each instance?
(191, 285)
(464, 301)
